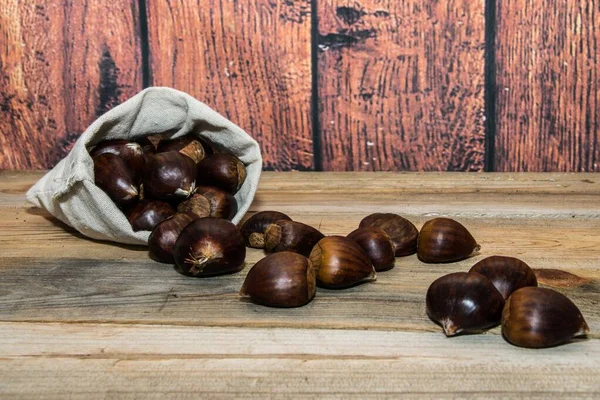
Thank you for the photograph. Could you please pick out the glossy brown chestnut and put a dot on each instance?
(161, 241)
(283, 279)
(293, 236)
(115, 179)
(378, 246)
(402, 232)
(146, 214)
(464, 302)
(130, 152)
(210, 246)
(506, 273)
(224, 171)
(169, 176)
(340, 263)
(254, 228)
(222, 204)
(188, 145)
(537, 317)
(444, 240)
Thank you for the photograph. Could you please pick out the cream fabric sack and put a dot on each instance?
(68, 191)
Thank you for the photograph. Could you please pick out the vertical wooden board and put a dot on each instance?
(548, 85)
(249, 60)
(401, 84)
(62, 64)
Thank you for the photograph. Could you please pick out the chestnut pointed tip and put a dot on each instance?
(133, 191)
(584, 331)
(372, 277)
(135, 147)
(449, 328)
(184, 193)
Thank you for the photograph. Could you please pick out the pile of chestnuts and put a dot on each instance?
(503, 290)
(336, 262)
(151, 184)
(183, 191)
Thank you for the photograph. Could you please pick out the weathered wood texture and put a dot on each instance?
(548, 85)
(249, 60)
(62, 64)
(82, 318)
(401, 84)
(100, 361)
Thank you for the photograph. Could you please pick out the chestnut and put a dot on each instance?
(464, 302)
(224, 171)
(378, 246)
(161, 241)
(115, 179)
(222, 204)
(402, 232)
(209, 246)
(169, 176)
(146, 214)
(130, 152)
(340, 263)
(293, 236)
(254, 228)
(506, 273)
(283, 279)
(196, 205)
(444, 240)
(188, 145)
(537, 317)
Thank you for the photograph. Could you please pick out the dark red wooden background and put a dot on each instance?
(456, 85)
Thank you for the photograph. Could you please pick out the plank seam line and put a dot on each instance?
(490, 86)
(314, 97)
(144, 44)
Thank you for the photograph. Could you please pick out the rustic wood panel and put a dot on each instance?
(81, 318)
(401, 84)
(62, 64)
(520, 215)
(548, 85)
(249, 60)
(98, 361)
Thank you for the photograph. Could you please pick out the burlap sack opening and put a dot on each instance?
(68, 191)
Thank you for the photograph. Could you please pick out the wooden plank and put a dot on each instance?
(536, 209)
(401, 85)
(249, 60)
(142, 291)
(99, 361)
(63, 64)
(548, 85)
(548, 220)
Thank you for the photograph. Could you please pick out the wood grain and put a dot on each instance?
(86, 319)
(99, 361)
(248, 60)
(84, 280)
(62, 64)
(401, 85)
(548, 85)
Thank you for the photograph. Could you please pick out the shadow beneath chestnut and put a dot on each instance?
(577, 339)
(209, 275)
(40, 212)
(462, 333)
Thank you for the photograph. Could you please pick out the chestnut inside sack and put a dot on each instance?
(69, 193)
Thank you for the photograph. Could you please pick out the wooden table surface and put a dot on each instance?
(87, 319)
